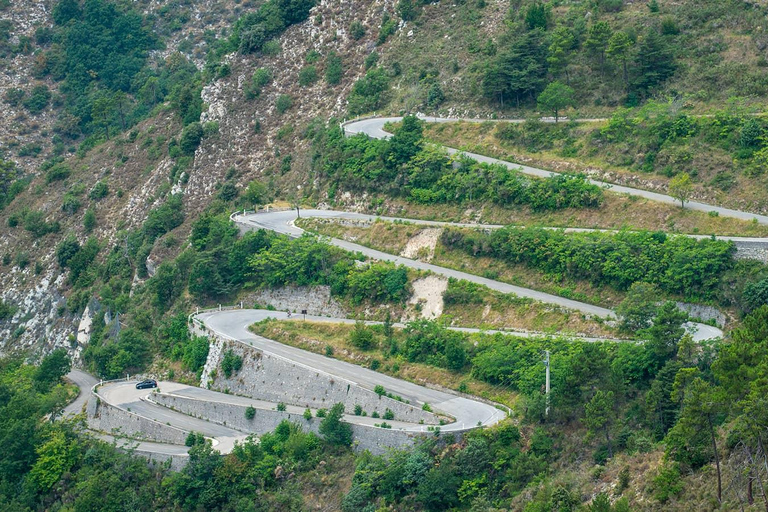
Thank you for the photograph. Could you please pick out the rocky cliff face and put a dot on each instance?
(135, 164)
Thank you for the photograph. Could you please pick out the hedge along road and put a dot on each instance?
(283, 222)
(374, 127)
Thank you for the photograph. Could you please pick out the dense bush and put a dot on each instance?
(369, 93)
(403, 166)
(677, 264)
(428, 342)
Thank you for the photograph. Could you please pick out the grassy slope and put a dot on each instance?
(618, 163)
(316, 336)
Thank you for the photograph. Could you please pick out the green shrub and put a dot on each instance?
(89, 220)
(35, 223)
(250, 413)
(307, 76)
(99, 191)
(307, 414)
(261, 78)
(231, 363)
(388, 414)
(334, 69)
(58, 172)
(356, 30)
(362, 337)
(38, 100)
(283, 103)
(281, 407)
(191, 137)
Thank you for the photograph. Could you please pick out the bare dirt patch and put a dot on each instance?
(422, 245)
(427, 296)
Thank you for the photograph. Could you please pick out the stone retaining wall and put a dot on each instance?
(376, 440)
(116, 421)
(751, 251)
(275, 379)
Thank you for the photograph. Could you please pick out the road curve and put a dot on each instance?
(233, 324)
(283, 222)
(374, 127)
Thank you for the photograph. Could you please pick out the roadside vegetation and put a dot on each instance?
(532, 257)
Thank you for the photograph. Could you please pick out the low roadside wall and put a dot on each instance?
(376, 440)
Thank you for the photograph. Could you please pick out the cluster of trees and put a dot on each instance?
(405, 166)
(53, 465)
(627, 397)
(537, 51)
(254, 29)
(487, 469)
(99, 51)
(677, 264)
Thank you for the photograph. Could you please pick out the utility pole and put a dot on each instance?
(546, 388)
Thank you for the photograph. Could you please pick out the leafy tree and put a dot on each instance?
(368, 93)
(598, 37)
(681, 188)
(333, 429)
(555, 97)
(195, 353)
(619, 47)
(52, 368)
(599, 415)
(755, 295)
(639, 307)
(406, 142)
(56, 456)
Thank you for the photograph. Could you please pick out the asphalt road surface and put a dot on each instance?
(234, 324)
(375, 128)
(283, 222)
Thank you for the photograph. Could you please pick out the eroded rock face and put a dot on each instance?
(139, 167)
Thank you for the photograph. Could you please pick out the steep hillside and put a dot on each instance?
(131, 130)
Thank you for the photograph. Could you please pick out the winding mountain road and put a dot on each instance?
(234, 324)
(283, 222)
(374, 127)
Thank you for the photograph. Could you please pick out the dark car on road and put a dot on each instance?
(148, 383)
